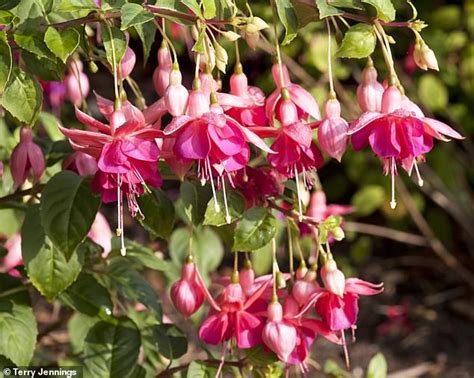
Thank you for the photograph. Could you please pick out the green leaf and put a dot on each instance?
(9, 4)
(5, 17)
(368, 199)
(198, 369)
(46, 266)
(194, 6)
(262, 259)
(257, 227)
(359, 42)
(235, 204)
(287, 15)
(377, 367)
(5, 61)
(326, 10)
(46, 69)
(87, 296)
(68, 209)
(78, 327)
(428, 85)
(199, 46)
(132, 285)
(194, 198)
(134, 14)
(62, 43)
(115, 42)
(210, 9)
(332, 369)
(111, 350)
(33, 43)
(158, 211)
(18, 336)
(143, 255)
(385, 9)
(146, 32)
(170, 340)
(22, 97)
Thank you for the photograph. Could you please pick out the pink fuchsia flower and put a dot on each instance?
(101, 234)
(216, 141)
(305, 287)
(13, 258)
(370, 91)
(161, 75)
(230, 317)
(76, 83)
(187, 294)
(254, 114)
(398, 134)
(81, 163)
(332, 131)
(319, 210)
(26, 156)
(279, 335)
(305, 103)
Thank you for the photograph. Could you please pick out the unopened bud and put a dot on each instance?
(424, 57)
(230, 36)
(280, 280)
(93, 67)
(338, 233)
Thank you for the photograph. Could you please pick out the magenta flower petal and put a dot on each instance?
(213, 329)
(438, 129)
(113, 160)
(193, 142)
(383, 138)
(87, 120)
(176, 124)
(249, 330)
(140, 149)
(299, 132)
(363, 121)
(304, 100)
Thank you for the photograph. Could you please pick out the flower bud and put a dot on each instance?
(251, 36)
(176, 95)
(370, 91)
(127, 64)
(278, 335)
(288, 113)
(333, 279)
(186, 294)
(303, 289)
(77, 86)
(198, 104)
(338, 233)
(161, 79)
(332, 132)
(391, 99)
(230, 36)
(424, 57)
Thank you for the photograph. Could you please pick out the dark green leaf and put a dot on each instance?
(256, 229)
(68, 209)
(194, 198)
(170, 341)
(235, 204)
(46, 69)
(78, 327)
(287, 15)
(62, 43)
(143, 255)
(87, 296)
(22, 97)
(133, 285)
(5, 17)
(385, 9)
(359, 42)
(111, 350)
(33, 43)
(159, 213)
(133, 15)
(18, 335)
(5, 61)
(9, 4)
(146, 32)
(198, 369)
(199, 46)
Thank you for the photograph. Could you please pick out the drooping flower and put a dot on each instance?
(216, 141)
(370, 91)
(76, 83)
(319, 210)
(332, 131)
(279, 335)
(398, 134)
(187, 294)
(424, 57)
(125, 150)
(305, 287)
(305, 103)
(161, 75)
(26, 157)
(127, 64)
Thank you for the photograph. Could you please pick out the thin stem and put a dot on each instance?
(274, 269)
(168, 41)
(277, 45)
(386, 55)
(331, 83)
(290, 249)
(114, 61)
(236, 261)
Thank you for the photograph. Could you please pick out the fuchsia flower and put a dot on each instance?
(305, 103)
(398, 134)
(230, 317)
(370, 91)
(126, 152)
(13, 258)
(187, 294)
(176, 95)
(215, 140)
(81, 163)
(305, 287)
(254, 114)
(332, 131)
(161, 75)
(319, 210)
(127, 64)
(26, 156)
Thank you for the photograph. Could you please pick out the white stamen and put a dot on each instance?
(228, 219)
(420, 180)
(346, 352)
(245, 177)
(298, 191)
(209, 170)
(393, 202)
(123, 250)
